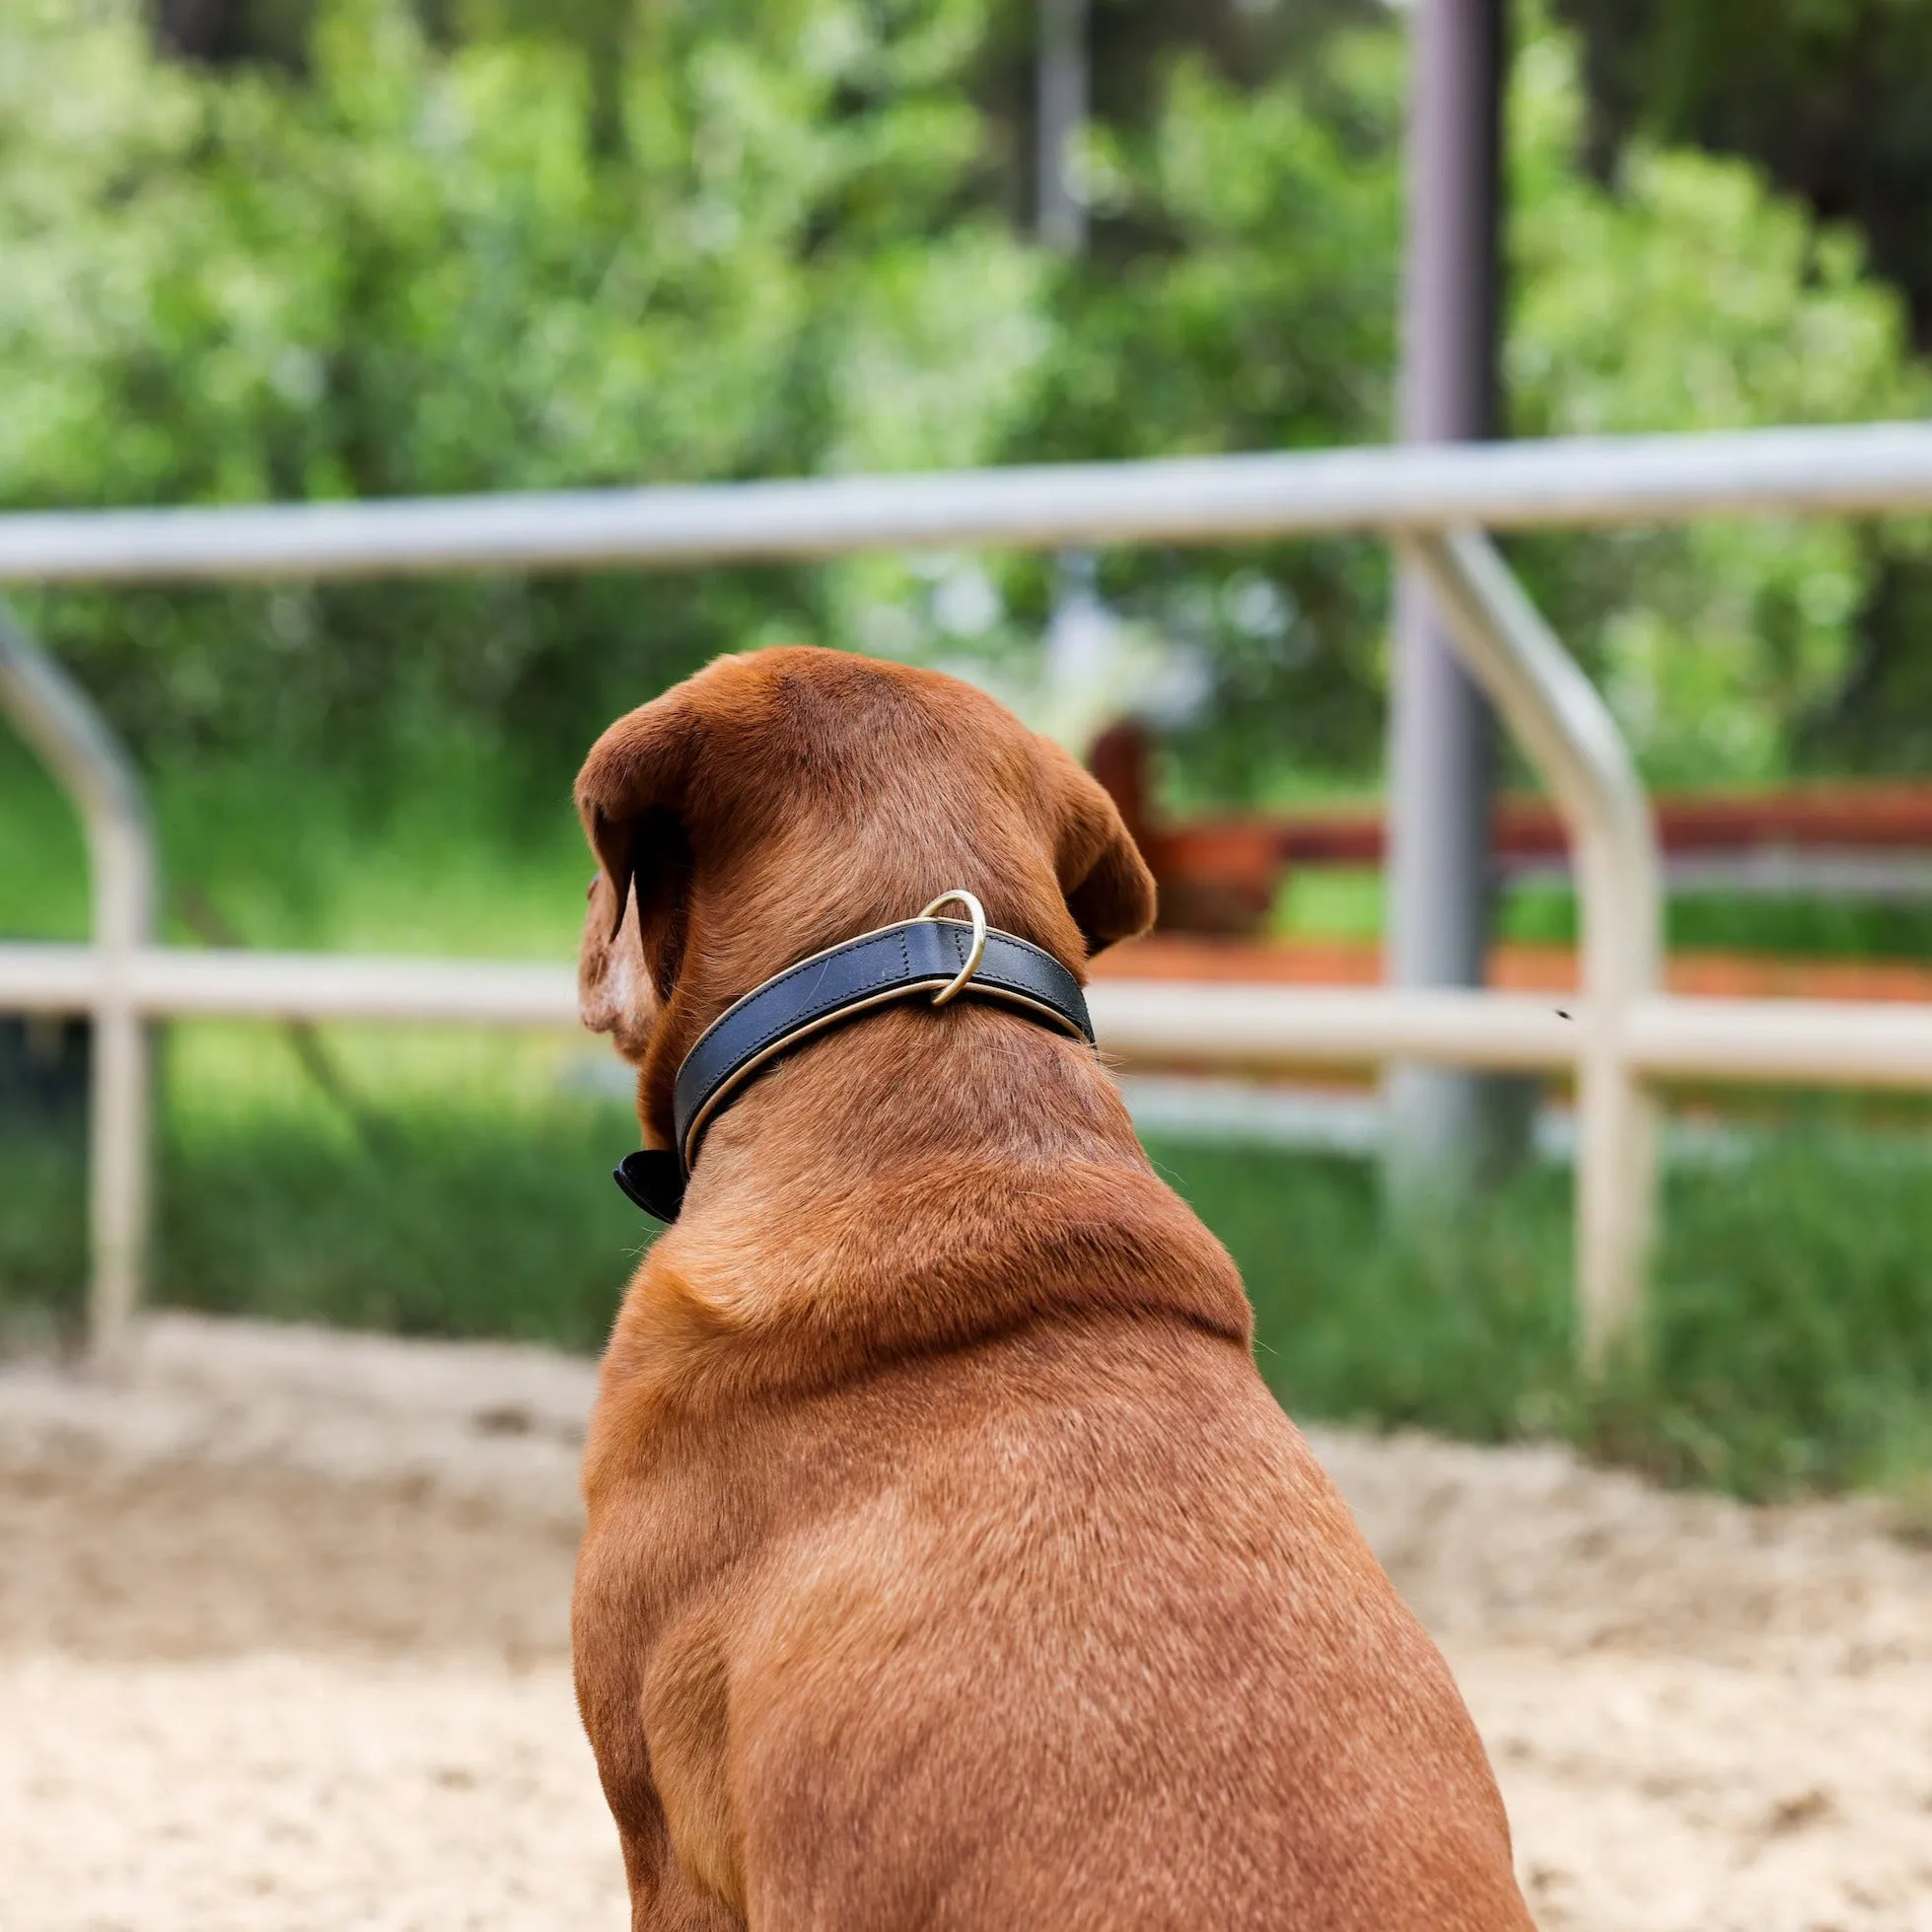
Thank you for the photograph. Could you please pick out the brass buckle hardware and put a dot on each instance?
(978, 914)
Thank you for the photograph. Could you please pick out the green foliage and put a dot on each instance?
(683, 243)
(1243, 297)
(1690, 298)
(1832, 101)
(1245, 293)
(1833, 97)
(420, 271)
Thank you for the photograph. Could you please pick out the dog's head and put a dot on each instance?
(787, 800)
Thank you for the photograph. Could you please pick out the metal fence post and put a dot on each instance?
(1447, 1130)
(57, 718)
(1567, 730)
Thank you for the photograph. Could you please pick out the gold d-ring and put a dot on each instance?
(978, 913)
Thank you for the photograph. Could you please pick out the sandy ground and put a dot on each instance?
(283, 1645)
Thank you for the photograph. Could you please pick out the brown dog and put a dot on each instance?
(948, 1563)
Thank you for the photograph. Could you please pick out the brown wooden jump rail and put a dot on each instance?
(1222, 874)
(1216, 958)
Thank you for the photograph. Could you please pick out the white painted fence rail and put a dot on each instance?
(1558, 484)
(1806, 1043)
(1620, 1034)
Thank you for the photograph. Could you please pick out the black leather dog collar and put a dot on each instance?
(897, 962)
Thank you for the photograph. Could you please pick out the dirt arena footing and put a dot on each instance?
(283, 1648)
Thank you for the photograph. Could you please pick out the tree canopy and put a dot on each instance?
(1831, 97)
(403, 249)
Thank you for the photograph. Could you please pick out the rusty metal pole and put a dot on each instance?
(1446, 1126)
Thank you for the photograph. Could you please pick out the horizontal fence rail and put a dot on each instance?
(1560, 483)
(1251, 1028)
(170, 982)
(1619, 1035)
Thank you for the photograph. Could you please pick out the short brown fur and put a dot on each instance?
(949, 1564)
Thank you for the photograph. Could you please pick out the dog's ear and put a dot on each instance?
(631, 796)
(1105, 881)
(614, 993)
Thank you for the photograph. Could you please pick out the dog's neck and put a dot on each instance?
(908, 1087)
(923, 1179)
(719, 949)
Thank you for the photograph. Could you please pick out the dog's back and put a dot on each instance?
(1102, 1649)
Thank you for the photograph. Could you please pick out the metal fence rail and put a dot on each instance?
(1570, 483)
(1235, 1028)
(1619, 1036)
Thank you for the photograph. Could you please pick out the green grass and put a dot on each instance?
(1806, 928)
(1345, 902)
(1466, 1332)
(462, 1189)
(448, 867)
(43, 861)
(43, 1235)
(454, 1228)
(1790, 1346)
(459, 1185)
(451, 865)
(452, 1184)
(1342, 902)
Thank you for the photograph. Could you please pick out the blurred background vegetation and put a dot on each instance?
(286, 249)
(321, 248)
